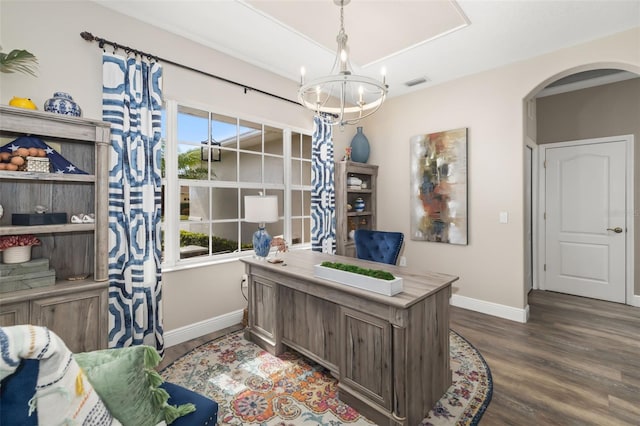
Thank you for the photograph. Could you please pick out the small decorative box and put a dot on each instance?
(31, 219)
(37, 164)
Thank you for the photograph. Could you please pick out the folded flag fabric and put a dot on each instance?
(59, 163)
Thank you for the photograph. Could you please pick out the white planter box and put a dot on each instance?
(386, 287)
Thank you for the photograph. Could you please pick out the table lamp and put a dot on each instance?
(261, 209)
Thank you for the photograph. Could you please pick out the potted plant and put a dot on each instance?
(17, 248)
(375, 280)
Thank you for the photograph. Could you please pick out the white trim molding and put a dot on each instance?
(195, 330)
(635, 301)
(490, 308)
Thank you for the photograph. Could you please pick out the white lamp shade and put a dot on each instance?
(258, 208)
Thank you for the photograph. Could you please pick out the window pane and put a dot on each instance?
(193, 125)
(227, 168)
(184, 202)
(296, 149)
(250, 167)
(273, 140)
(197, 227)
(224, 238)
(224, 130)
(190, 164)
(247, 230)
(225, 203)
(306, 235)
(295, 172)
(250, 136)
(306, 203)
(199, 199)
(274, 170)
(306, 172)
(194, 238)
(306, 147)
(296, 203)
(297, 235)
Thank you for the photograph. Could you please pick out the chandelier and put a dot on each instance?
(342, 97)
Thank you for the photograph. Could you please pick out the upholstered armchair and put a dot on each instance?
(378, 246)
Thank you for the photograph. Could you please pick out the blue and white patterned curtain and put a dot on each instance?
(132, 103)
(323, 194)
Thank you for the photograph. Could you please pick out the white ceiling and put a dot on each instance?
(439, 40)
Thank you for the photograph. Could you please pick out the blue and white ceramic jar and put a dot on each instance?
(62, 103)
(358, 204)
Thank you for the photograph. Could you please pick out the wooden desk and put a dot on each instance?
(390, 354)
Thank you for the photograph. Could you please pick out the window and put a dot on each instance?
(211, 161)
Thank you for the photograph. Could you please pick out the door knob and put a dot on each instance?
(617, 229)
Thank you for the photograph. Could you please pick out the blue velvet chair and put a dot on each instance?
(378, 246)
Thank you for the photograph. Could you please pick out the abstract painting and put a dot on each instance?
(439, 187)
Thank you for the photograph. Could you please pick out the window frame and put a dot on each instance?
(172, 186)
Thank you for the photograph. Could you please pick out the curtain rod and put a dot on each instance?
(101, 42)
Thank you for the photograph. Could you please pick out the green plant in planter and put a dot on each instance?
(375, 273)
(18, 61)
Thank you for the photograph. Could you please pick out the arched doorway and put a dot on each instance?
(581, 88)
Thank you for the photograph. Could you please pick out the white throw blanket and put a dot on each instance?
(63, 395)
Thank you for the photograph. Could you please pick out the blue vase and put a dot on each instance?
(358, 204)
(261, 242)
(62, 103)
(359, 147)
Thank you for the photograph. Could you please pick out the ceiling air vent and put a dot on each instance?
(416, 81)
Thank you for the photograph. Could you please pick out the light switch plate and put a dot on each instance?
(504, 217)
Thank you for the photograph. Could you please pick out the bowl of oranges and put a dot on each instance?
(25, 159)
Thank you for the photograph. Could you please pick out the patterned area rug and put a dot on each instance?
(253, 387)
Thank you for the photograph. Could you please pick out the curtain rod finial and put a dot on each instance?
(87, 36)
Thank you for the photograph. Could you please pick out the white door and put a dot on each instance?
(585, 220)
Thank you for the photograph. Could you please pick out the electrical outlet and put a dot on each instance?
(403, 261)
(245, 281)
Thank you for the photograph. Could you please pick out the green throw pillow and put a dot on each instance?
(127, 383)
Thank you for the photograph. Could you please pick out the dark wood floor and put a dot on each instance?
(576, 362)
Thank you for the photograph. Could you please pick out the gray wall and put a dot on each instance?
(607, 110)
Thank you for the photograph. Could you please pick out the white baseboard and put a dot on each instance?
(195, 330)
(490, 308)
(635, 301)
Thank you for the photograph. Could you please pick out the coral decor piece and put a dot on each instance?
(280, 243)
(9, 241)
